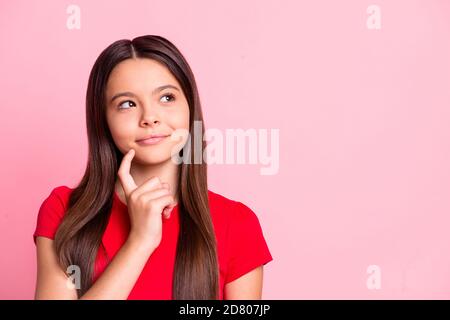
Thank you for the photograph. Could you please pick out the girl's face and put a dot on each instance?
(144, 98)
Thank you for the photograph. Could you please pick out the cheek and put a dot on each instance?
(121, 131)
(179, 119)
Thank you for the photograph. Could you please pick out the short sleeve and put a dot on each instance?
(50, 215)
(247, 247)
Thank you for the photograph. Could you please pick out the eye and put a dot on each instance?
(169, 95)
(123, 102)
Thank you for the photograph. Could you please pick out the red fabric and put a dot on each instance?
(240, 241)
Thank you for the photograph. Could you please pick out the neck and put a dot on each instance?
(166, 171)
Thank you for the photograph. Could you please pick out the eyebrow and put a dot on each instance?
(131, 94)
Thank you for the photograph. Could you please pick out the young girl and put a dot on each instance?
(140, 225)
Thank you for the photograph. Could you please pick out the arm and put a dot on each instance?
(116, 282)
(247, 287)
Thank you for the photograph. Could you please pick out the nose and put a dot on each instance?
(150, 122)
(150, 118)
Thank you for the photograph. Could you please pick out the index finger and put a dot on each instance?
(125, 177)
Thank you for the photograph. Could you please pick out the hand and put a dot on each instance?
(146, 204)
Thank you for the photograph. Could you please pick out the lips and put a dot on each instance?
(152, 139)
(153, 136)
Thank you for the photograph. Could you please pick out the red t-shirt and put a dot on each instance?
(240, 242)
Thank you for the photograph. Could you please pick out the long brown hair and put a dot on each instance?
(79, 235)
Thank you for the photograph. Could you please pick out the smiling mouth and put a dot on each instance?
(151, 141)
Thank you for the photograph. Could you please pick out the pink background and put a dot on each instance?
(363, 115)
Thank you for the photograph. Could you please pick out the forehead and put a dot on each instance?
(139, 75)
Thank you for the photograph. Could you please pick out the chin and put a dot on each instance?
(148, 158)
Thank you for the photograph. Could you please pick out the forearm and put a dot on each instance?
(119, 278)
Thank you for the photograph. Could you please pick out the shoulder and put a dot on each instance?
(60, 194)
(57, 200)
(230, 210)
(51, 212)
(241, 239)
(62, 191)
(218, 201)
